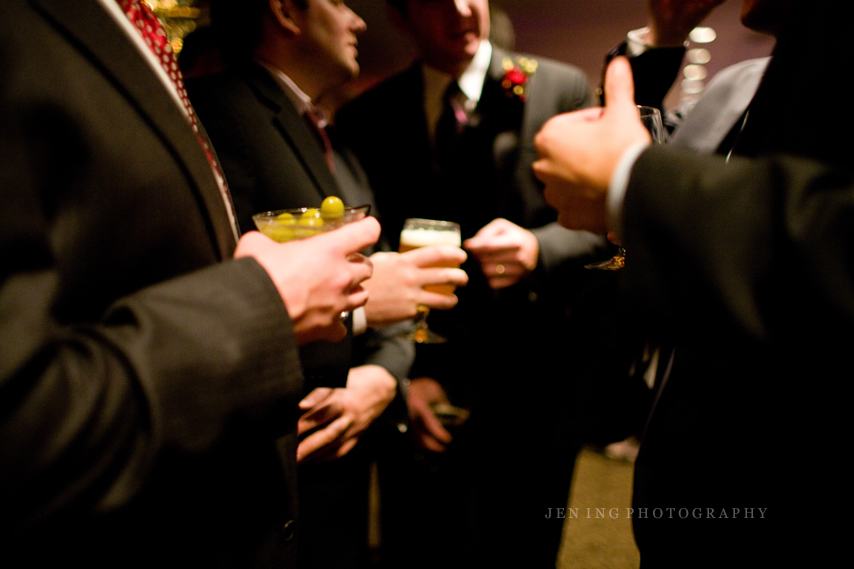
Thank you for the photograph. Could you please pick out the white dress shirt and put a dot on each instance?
(471, 84)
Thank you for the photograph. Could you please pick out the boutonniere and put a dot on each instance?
(516, 75)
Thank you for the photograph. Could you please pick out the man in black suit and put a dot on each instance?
(745, 267)
(712, 122)
(283, 56)
(450, 138)
(149, 375)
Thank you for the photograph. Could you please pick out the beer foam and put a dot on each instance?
(427, 237)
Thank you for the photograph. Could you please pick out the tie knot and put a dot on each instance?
(318, 116)
(458, 105)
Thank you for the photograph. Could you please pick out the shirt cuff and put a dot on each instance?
(636, 42)
(619, 184)
(360, 321)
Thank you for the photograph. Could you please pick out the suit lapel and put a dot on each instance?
(96, 32)
(294, 129)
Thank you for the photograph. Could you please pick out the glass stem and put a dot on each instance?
(421, 323)
(421, 317)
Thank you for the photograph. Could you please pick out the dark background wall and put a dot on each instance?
(575, 31)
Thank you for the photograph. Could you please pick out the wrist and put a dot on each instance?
(649, 37)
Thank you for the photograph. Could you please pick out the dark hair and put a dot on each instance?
(237, 25)
(398, 4)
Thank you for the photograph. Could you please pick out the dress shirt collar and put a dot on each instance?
(301, 101)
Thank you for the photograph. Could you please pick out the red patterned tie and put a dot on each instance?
(152, 32)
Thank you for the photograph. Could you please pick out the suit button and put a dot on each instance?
(289, 531)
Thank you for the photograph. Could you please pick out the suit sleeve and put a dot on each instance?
(760, 246)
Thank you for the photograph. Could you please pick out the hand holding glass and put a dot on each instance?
(300, 223)
(422, 233)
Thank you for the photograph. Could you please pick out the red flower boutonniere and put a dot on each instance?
(516, 75)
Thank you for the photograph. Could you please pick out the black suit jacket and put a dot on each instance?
(746, 267)
(144, 376)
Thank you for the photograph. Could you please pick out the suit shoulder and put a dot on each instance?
(567, 84)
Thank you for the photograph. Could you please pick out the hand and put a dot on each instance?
(672, 20)
(507, 252)
(317, 278)
(397, 285)
(429, 432)
(343, 413)
(579, 152)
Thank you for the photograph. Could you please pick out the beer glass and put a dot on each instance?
(422, 233)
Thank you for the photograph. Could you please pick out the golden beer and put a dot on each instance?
(434, 233)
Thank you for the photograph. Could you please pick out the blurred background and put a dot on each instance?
(579, 32)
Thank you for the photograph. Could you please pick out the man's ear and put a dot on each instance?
(284, 12)
(397, 18)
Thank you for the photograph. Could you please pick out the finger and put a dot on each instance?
(316, 396)
(356, 299)
(504, 254)
(489, 244)
(494, 227)
(456, 277)
(437, 301)
(361, 267)
(348, 445)
(498, 283)
(355, 236)
(496, 231)
(434, 428)
(619, 86)
(435, 255)
(429, 443)
(316, 442)
(329, 410)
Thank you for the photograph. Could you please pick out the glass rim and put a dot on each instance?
(301, 210)
(431, 222)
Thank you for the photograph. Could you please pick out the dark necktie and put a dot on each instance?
(152, 32)
(318, 122)
(452, 122)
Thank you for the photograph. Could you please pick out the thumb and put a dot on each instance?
(619, 86)
(488, 231)
(354, 236)
(315, 397)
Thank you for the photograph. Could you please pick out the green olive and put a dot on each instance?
(278, 233)
(285, 218)
(332, 208)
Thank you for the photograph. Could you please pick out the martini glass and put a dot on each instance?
(651, 119)
(300, 223)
